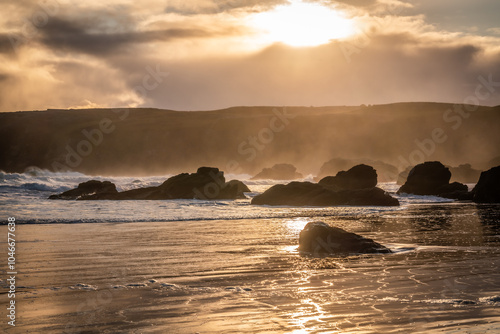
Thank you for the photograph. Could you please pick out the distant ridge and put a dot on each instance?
(137, 141)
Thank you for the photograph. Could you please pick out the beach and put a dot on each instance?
(246, 275)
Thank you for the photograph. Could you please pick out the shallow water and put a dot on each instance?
(246, 276)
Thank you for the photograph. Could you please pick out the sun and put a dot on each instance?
(302, 24)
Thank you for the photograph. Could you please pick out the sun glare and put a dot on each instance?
(302, 24)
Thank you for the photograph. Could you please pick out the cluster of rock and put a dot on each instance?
(433, 178)
(319, 238)
(463, 173)
(355, 187)
(386, 172)
(279, 172)
(206, 183)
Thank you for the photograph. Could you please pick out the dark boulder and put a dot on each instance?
(88, 189)
(279, 172)
(426, 179)
(297, 194)
(386, 172)
(433, 178)
(313, 194)
(320, 238)
(358, 177)
(206, 183)
(455, 190)
(367, 197)
(233, 189)
(487, 189)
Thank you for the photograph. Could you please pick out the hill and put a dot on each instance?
(246, 139)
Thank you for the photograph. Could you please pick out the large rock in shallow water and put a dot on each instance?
(487, 189)
(426, 179)
(320, 238)
(433, 178)
(358, 177)
(279, 172)
(88, 189)
(386, 172)
(313, 194)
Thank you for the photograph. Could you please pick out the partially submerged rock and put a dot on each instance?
(433, 178)
(487, 189)
(313, 194)
(358, 177)
(88, 189)
(279, 172)
(386, 172)
(321, 238)
(206, 183)
(355, 187)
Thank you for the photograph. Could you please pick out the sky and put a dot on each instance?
(206, 54)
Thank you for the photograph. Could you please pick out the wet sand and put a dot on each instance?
(245, 276)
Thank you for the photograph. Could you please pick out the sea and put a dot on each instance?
(226, 266)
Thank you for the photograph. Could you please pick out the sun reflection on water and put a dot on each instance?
(297, 224)
(307, 316)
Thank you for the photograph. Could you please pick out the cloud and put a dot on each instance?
(74, 36)
(396, 67)
(6, 46)
(96, 55)
(220, 6)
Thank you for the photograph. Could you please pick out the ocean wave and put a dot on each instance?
(43, 187)
(44, 180)
(214, 211)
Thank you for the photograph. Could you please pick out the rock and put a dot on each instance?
(433, 178)
(320, 238)
(386, 172)
(297, 194)
(88, 189)
(367, 197)
(464, 173)
(455, 190)
(426, 179)
(403, 176)
(279, 172)
(206, 183)
(358, 177)
(487, 189)
(313, 194)
(234, 189)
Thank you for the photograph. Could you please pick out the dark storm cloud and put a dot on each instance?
(6, 46)
(192, 8)
(62, 34)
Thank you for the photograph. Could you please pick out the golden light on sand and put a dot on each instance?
(302, 24)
